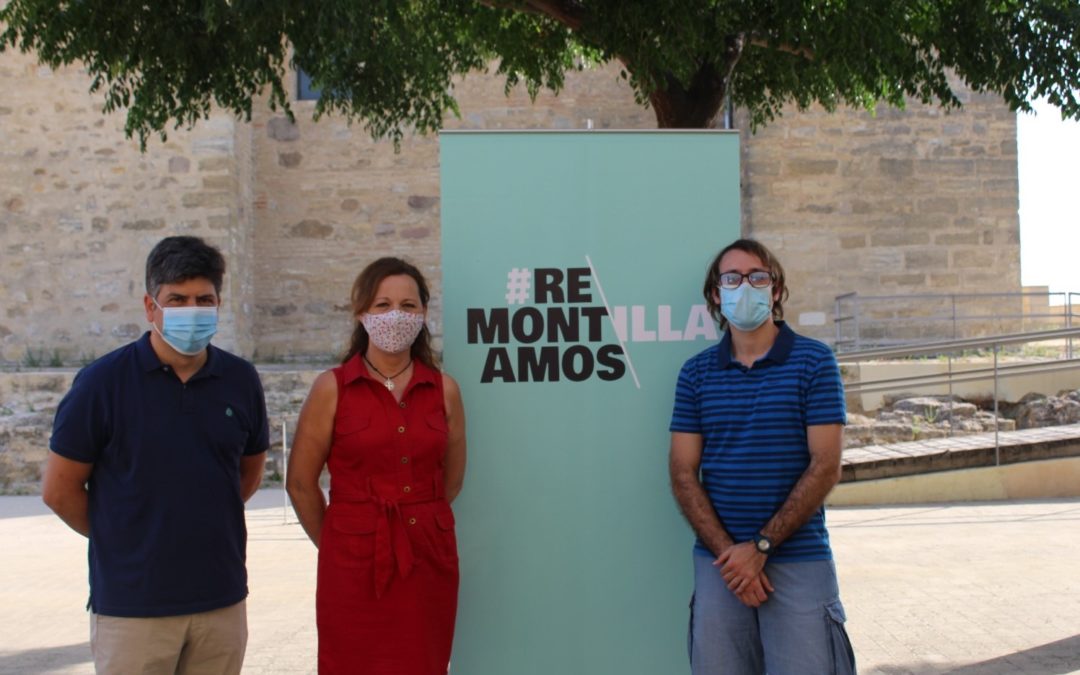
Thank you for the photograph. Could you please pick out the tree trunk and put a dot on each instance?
(675, 110)
(699, 105)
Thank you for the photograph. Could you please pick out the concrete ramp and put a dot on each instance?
(1026, 464)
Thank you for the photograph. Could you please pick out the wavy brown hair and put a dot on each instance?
(363, 294)
(757, 249)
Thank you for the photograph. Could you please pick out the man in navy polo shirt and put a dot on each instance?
(756, 435)
(153, 453)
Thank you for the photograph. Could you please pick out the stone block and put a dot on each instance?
(940, 281)
(219, 183)
(216, 164)
(995, 167)
(953, 238)
(902, 279)
(311, 229)
(937, 168)
(853, 241)
(179, 165)
(281, 129)
(938, 205)
(290, 160)
(897, 169)
(422, 202)
(194, 200)
(973, 258)
(144, 224)
(796, 168)
(926, 259)
(899, 237)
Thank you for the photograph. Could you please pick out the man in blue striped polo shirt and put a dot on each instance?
(756, 435)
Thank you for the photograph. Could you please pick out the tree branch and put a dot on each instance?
(567, 12)
(735, 46)
(804, 52)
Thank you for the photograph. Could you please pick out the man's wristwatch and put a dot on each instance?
(763, 544)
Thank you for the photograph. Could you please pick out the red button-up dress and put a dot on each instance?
(388, 565)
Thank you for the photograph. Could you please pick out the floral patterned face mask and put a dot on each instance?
(393, 331)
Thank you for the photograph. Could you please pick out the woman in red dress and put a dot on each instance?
(390, 428)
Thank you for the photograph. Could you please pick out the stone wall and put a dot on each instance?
(81, 206)
(328, 200)
(900, 202)
(28, 402)
(920, 201)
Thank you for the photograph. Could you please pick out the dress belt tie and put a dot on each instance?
(393, 548)
(391, 545)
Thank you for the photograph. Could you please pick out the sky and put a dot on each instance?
(1049, 166)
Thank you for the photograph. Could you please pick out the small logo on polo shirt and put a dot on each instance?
(228, 412)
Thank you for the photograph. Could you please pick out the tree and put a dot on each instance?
(392, 63)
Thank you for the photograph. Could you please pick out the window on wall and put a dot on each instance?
(304, 89)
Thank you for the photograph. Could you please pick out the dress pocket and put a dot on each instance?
(446, 544)
(437, 421)
(445, 520)
(352, 538)
(345, 426)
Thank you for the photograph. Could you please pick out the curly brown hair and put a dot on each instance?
(754, 248)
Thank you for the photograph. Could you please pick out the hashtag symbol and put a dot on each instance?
(517, 286)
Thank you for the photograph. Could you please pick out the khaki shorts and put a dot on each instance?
(191, 644)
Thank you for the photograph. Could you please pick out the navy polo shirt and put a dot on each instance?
(753, 425)
(167, 532)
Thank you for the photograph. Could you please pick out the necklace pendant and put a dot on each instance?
(389, 379)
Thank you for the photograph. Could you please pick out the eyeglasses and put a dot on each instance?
(757, 279)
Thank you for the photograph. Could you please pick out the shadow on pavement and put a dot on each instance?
(1053, 658)
(46, 659)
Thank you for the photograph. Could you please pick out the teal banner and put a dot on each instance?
(572, 272)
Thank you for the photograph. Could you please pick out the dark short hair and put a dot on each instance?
(759, 250)
(177, 259)
(363, 295)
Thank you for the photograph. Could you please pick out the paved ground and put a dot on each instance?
(969, 589)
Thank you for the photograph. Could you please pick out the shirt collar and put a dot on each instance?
(148, 358)
(778, 353)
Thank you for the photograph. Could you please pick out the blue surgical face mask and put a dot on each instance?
(187, 329)
(746, 307)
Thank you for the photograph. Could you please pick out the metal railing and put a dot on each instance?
(870, 321)
(950, 348)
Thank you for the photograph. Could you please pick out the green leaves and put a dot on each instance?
(392, 63)
(165, 62)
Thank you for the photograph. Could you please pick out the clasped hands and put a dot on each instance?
(743, 569)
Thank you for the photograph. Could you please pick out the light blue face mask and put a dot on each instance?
(187, 329)
(746, 307)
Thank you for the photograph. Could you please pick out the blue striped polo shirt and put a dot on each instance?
(753, 425)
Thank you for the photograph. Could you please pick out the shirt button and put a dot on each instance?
(404, 460)
(402, 404)
(401, 430)
(412, 521)
(406, 489)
